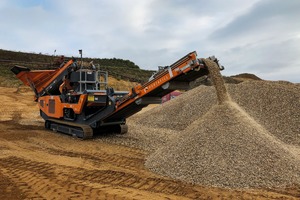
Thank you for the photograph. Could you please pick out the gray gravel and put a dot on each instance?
(275, 105)
(254, 142)
(179, 113)
(227, 148)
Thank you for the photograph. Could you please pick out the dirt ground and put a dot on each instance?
(41, 164)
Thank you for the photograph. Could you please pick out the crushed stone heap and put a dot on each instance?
(246, 137)
(227, 148)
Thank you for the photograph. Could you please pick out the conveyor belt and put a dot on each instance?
(189, 73)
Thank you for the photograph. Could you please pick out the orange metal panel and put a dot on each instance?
(49, 103)
(179, 68)
(40, 79)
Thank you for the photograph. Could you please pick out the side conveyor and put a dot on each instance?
(177, 76)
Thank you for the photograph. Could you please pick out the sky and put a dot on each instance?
(250, 36)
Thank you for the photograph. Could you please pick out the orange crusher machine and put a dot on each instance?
(76, 100)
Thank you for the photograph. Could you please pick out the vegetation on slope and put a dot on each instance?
(120, 69)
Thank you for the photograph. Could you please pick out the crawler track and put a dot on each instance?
(78, 130)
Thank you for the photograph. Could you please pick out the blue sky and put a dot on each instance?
(253, 36)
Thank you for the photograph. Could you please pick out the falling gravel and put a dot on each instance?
(217, 80)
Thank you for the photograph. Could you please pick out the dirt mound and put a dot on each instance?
(231, 80)
(227, 148)
(20, 109)
(208, 82)
(247, 76)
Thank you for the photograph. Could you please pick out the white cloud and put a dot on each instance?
(247, 36)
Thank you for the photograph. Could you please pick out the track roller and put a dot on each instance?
(112, 129)
(123, 128)
(119, 129)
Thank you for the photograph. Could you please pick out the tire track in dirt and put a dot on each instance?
(8, 189)
(115, 178)
(101, 157)
(39, 181)
(119, 178)
(129, 180)
(34, 178)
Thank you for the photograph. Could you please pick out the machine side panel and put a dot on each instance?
(53, 107)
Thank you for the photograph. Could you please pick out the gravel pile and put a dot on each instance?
(275, 105)
(178, 113)
(227, 148)
(142, 137)
(203, 137)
